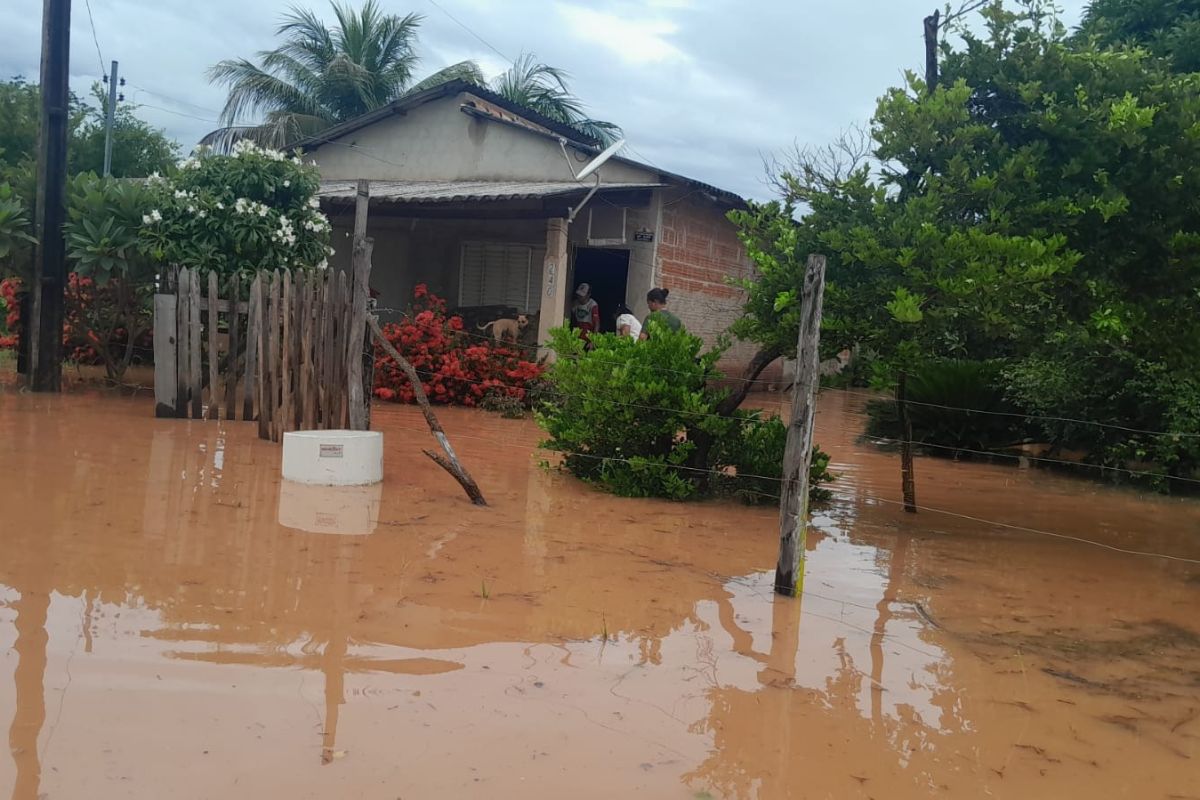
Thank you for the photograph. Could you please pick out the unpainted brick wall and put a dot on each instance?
(698, 249)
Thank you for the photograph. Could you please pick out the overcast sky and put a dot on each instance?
(701, 87)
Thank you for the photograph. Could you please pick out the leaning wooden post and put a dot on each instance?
(450, 461)
(907, 476)
(361, 265)
(797, 456)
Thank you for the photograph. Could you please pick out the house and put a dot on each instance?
(477, 198)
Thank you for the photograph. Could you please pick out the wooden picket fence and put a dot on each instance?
(279, 347)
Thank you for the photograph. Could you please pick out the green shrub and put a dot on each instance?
(941, 392)
(753, 449)
(635, 418)
(627, 414)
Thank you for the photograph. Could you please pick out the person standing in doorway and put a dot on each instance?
(656, 299)
(585, 312)
(627, 323)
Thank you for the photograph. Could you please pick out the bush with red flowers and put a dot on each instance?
(85, 328)
(454, 367)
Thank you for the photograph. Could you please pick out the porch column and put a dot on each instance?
(554, 283)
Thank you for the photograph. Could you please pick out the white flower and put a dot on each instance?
(324, 264)
(156, 215)
(202, 214)
(286, 184)
(220, 206)
(330, 250)
(146, 219)
(191, 209)
(314, 202)
(262, 210)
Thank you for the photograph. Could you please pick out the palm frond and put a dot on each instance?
(252, 91)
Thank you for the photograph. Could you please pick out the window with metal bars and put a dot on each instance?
(498, 274)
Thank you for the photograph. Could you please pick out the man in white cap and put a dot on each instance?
(585, 312)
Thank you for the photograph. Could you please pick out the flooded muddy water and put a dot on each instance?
(175, 623)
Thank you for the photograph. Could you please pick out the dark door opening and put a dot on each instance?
(606, 270)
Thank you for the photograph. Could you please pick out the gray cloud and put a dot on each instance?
(702, 87)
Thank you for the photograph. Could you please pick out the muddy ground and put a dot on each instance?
(174, 623)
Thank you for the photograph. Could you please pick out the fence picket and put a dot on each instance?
(231, 373)
(182, 347)
(194, 338)
(211, 326)
(264, 357)
(252, 347)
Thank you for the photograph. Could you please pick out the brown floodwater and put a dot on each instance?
(175, 623)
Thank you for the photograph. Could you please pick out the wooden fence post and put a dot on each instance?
(183, 349)
(165, 376)
(358, 320)
(253, 312)
(194, 334)
(214, 396)
(231, 371)
(793, 500)
(273, 330)
(907, 477)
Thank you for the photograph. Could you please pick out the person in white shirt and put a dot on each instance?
(627, 323)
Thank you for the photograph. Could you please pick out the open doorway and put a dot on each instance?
(606, 270)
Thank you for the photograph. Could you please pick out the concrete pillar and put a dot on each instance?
(554, 282)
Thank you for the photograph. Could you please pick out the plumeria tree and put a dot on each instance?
(254, 209)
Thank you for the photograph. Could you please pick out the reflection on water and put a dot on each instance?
(168, 617)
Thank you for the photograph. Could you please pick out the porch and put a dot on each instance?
(498, 249)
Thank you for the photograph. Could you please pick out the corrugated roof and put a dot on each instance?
(420, 192)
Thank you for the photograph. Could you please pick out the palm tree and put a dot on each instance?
(321, 76)
(544, 89)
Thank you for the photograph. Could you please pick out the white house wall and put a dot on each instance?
(439, 142)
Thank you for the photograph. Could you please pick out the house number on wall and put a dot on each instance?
(551, 277)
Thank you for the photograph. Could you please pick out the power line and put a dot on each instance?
(981, 520)
(467, 28)
(95, 38)
(175, 100)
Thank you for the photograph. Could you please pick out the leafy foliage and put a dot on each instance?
(937, 390)
(1041, 206)
(628, 415)
(255, 209)
(454, 368)
(750, 461)
(1167, 28)
(14, 222)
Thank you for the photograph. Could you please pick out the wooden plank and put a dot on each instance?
(214, 357)
(274, 332)
(324, 333)
(263, 302)
(195, 364)
(356, 333)
(308, 392)
(182, 348)
(231, 370)
(223, 306)
(286, 377)
(343, 412)
(797, 454)
(254, 311)
(165, 377)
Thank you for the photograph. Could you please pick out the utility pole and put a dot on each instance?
(109, 119)
(50, 271)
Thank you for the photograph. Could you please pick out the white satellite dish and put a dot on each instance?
(597, 162)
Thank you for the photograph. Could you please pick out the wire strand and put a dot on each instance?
(96, 39)
(836, 494)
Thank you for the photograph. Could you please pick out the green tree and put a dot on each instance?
(320, 76)
(1167, 28)
(139, 149)
(1041, 206)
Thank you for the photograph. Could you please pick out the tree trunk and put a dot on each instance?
(931, 54)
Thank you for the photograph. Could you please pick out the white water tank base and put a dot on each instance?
(333, 458)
